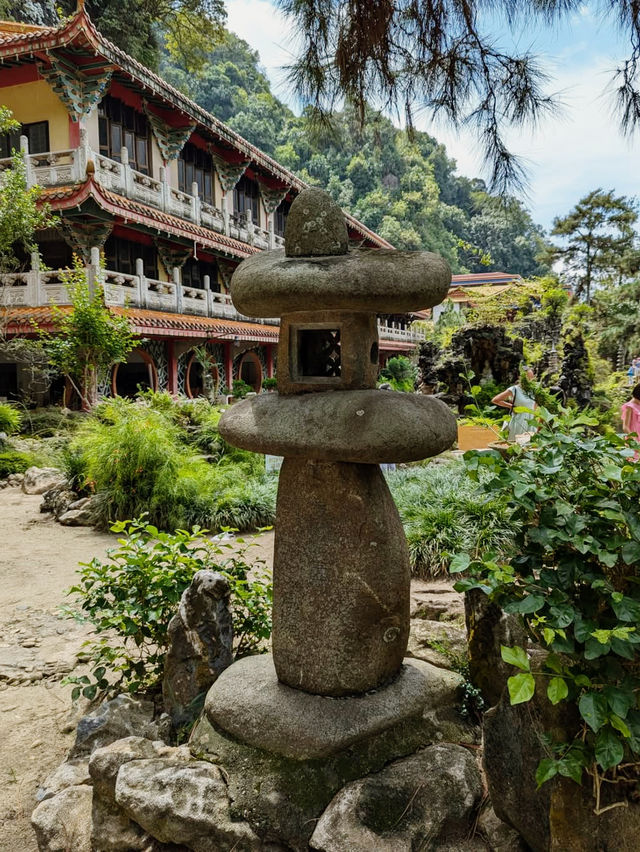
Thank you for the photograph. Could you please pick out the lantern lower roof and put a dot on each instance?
(271, 284)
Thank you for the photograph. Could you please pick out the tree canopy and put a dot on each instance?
(599, 240)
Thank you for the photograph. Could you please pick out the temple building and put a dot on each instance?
(171, 199)
(470, 288)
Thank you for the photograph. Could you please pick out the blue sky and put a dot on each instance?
(567, 155)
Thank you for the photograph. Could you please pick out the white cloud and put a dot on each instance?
(267, 30)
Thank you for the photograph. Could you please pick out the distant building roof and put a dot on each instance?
(477, 279)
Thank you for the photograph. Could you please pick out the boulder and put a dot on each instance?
(488, 627)
(37, 480)
(428, 798)
(57, 500)
(15, 479)
(113, 831)
(183, 803)
(122, 716)
(500, 836)
(63, 822)
(69, 774)
(200, 646)
(437, 642)
(80, 513)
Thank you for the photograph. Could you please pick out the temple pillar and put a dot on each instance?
(228, 364)
(172, 368)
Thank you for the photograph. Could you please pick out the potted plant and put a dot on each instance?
(270, 384)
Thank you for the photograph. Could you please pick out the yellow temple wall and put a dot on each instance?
(36, 101)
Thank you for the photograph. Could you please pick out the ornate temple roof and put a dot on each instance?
(92, 55)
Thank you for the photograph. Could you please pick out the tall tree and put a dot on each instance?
(598, 236)
(443, 58)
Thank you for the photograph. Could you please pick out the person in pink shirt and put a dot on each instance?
(630, 413)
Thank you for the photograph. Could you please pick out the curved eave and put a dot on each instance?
(68, 197)
(80, 28)
(25, 321)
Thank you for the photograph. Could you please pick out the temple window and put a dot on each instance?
(196, 166)
(120, 256)
(55, 253)
(193, 272)
(121, 126)
(246, 197)
(37, 135)
(280, 217)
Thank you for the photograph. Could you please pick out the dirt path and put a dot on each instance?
(38, 561)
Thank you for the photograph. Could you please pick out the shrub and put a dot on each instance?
(573, 495)
(444, 511)
(140, 457)
(400, 373)
(270, 383)
(131, 598)
(14, 462)
(50, 422)
(240, 389)
(9, 419)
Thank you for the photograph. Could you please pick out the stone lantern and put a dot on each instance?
(341, 564)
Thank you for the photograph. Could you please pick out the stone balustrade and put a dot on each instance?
(45, 287)
(59, 168)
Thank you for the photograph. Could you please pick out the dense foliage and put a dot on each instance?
(131, 598)
(443, 511)
(146, 456)
(573, 496)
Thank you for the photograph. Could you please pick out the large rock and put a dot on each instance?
(271, 284)
(488, 628)
(72, 773)
(200, 646)
(63, 822)
(184, 804)
(57, 500)
(120, 717)
(422, 801)
(37, 480)
(80, 513)
(559, 817)
(437, 642)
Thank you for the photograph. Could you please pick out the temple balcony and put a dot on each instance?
(71, 166)
(46, 287)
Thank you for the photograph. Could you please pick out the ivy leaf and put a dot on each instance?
(459, 562)
(593, 709)
(528, 604)
(594, 649)
(546, 770)
(609, 749)
(569, 767)
(619, 700)
(612, 472)
(549, 635)
(557, 690)
(618, 723)
(630, 552)
(627, 609)
(521, 688)
(516, 657)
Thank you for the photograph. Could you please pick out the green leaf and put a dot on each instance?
(516, 656)
(569, 767)
(619, 700)
(521, 688)
(630, 552)
(612, 472)
(593, 709)
(627, 609)
(557, 690)
(609, 749)
(546, 770)
(618, 723)
(528, 604)
(549, 635)
(459, 562)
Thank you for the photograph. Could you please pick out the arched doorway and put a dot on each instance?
(250, 370)
(195, 379)
(139, 372)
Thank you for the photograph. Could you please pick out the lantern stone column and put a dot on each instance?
(341, 564)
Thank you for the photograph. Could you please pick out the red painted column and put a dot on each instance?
(74, 133)
(269, 360)
(172, 363)
(228, 364)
